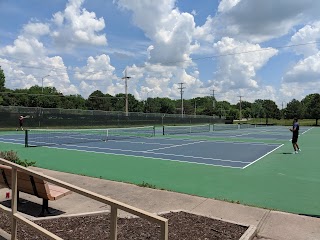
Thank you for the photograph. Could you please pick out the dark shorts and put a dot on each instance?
(294, 139)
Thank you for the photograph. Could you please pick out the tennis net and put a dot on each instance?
(223, 127)
(169, 130)
(45, 137)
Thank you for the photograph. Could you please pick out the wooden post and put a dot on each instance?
(14, 203)
(113, 222)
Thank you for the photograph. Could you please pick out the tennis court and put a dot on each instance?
(251, 165)
(142, 142)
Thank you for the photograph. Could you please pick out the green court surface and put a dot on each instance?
(281, 180)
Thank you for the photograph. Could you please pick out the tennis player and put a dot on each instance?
(21, 119)
(295, 135)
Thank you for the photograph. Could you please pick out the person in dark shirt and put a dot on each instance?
(295, 135)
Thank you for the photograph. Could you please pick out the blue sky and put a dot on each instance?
(256, 49)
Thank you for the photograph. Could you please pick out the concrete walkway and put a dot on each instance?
(268, 224)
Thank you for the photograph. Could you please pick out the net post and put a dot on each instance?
(26, 138)
(154, 131)
(162, 130)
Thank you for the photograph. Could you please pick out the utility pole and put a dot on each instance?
(42, 82)
(195, 107)
(240, 116)
(126, 90)
(181, 92)
(213, 99)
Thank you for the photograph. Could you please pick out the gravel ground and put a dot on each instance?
(182, 226)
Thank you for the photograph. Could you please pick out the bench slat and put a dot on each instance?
(44, 189)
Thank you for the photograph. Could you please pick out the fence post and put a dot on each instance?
(164, 231)
(14, 202)
(113, 223)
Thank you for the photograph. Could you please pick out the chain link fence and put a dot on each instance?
(71, 118)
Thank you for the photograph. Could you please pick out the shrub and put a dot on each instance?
(13, 157)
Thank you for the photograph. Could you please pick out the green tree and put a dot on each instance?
(99, 101)
(257, 110)
(312, 106)
(222, 109)
(293, 109)
(73, 102)
(152, 105)
(134, 104)
(166, 105)
(2, 80)
(271, 110)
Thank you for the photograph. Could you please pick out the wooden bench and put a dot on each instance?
(34, 186)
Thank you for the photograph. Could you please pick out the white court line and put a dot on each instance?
(20, 143)
(262, 156)
(167, 154)
(172, 146)
(302, 133)
(307, 130)
(147, 143)
(164, 159)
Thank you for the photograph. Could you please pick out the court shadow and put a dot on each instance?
(286, 153)
(309, 215)
(31, 208)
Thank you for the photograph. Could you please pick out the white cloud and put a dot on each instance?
(259, 21)
(77, 26)
(170, 30)
(238, 64)
(36, 29)
(302, 79)
(249, 95)
(98, 68)
(226, 5)
(305, 71)
(24, 47)
(309, 33)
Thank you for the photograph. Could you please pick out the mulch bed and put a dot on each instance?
(182, 226)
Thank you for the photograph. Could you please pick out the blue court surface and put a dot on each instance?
(233, 154)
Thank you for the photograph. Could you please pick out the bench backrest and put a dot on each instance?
(26, 183)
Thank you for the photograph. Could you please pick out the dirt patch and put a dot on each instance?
(182, 225)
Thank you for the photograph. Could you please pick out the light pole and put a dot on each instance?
(126, 90)
(42, 82)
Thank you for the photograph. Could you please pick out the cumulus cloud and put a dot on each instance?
(170, 30)
(238, 63)
(36, 29)
(307, 34)
(306, 70)
(259, 21)
(24, 47)
(226, 5)
(98, 68)
(76, 25)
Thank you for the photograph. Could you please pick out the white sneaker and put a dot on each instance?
(299, 150)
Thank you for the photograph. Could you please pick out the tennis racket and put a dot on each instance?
(27, 116)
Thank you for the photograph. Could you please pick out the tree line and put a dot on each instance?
(50, 97)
